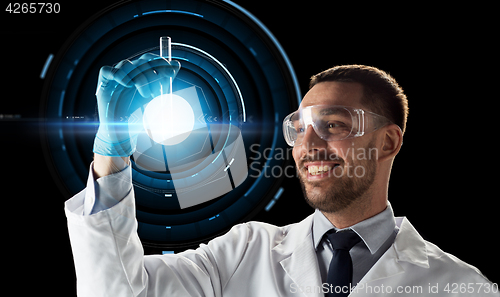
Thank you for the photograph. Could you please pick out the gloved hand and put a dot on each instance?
(123, 89)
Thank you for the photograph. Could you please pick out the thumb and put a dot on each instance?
(106, 74)
(106, 77)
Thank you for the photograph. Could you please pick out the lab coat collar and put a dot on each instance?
(408, 246)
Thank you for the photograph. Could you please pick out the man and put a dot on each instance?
(345, 136)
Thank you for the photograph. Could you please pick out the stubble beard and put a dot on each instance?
(341, 193)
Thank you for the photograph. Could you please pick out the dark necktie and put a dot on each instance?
(340, 271)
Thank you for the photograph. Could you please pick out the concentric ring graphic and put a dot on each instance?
(235, 77)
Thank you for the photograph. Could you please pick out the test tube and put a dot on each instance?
(166, 48)
(166, 53)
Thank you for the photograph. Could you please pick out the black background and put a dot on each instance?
(443, 179)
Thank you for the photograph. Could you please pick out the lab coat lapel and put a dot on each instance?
(385, 267)
(299, 259)
(408, 246)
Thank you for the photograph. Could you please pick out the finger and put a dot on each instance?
(139, 74)
(105, 79)
(142, 72)
(159, 87)
(141, 83)
(124, 72)
(153, 76)
(168, 68)
(148, 71)
(105, 74)
(164, 72)
(165, 68)
(129, 100)
(148, 57)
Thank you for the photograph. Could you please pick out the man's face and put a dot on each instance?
(333, 174)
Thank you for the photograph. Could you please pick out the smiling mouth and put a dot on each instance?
(319, 169)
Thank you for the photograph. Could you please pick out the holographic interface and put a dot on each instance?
(197, 114)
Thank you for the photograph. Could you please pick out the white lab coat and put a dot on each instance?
(253, 259)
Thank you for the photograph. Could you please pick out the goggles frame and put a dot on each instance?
(363, 122)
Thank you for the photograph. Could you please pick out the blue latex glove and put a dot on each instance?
(123, 89)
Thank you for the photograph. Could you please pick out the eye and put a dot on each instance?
(335, 125)
(297, 126)
(336, 128)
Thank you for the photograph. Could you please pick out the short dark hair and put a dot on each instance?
(381, 93)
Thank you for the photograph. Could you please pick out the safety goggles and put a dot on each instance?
(331, 123)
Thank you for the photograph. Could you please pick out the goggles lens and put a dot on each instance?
(331, 123)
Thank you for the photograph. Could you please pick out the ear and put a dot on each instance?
(391, 143)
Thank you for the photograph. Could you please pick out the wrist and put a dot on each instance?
(105, 165)
(123, 149)
(113, 144)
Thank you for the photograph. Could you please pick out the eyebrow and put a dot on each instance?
(330, 111)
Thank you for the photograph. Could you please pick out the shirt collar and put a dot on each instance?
(373, 231)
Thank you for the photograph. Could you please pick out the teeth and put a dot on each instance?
(316, 170)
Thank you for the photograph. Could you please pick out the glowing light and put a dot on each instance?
(168, 119)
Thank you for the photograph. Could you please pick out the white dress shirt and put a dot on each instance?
(106, 191)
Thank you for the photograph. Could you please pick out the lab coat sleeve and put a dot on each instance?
(109, 258)
(107, 252)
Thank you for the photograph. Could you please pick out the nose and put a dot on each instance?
(311, 141)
